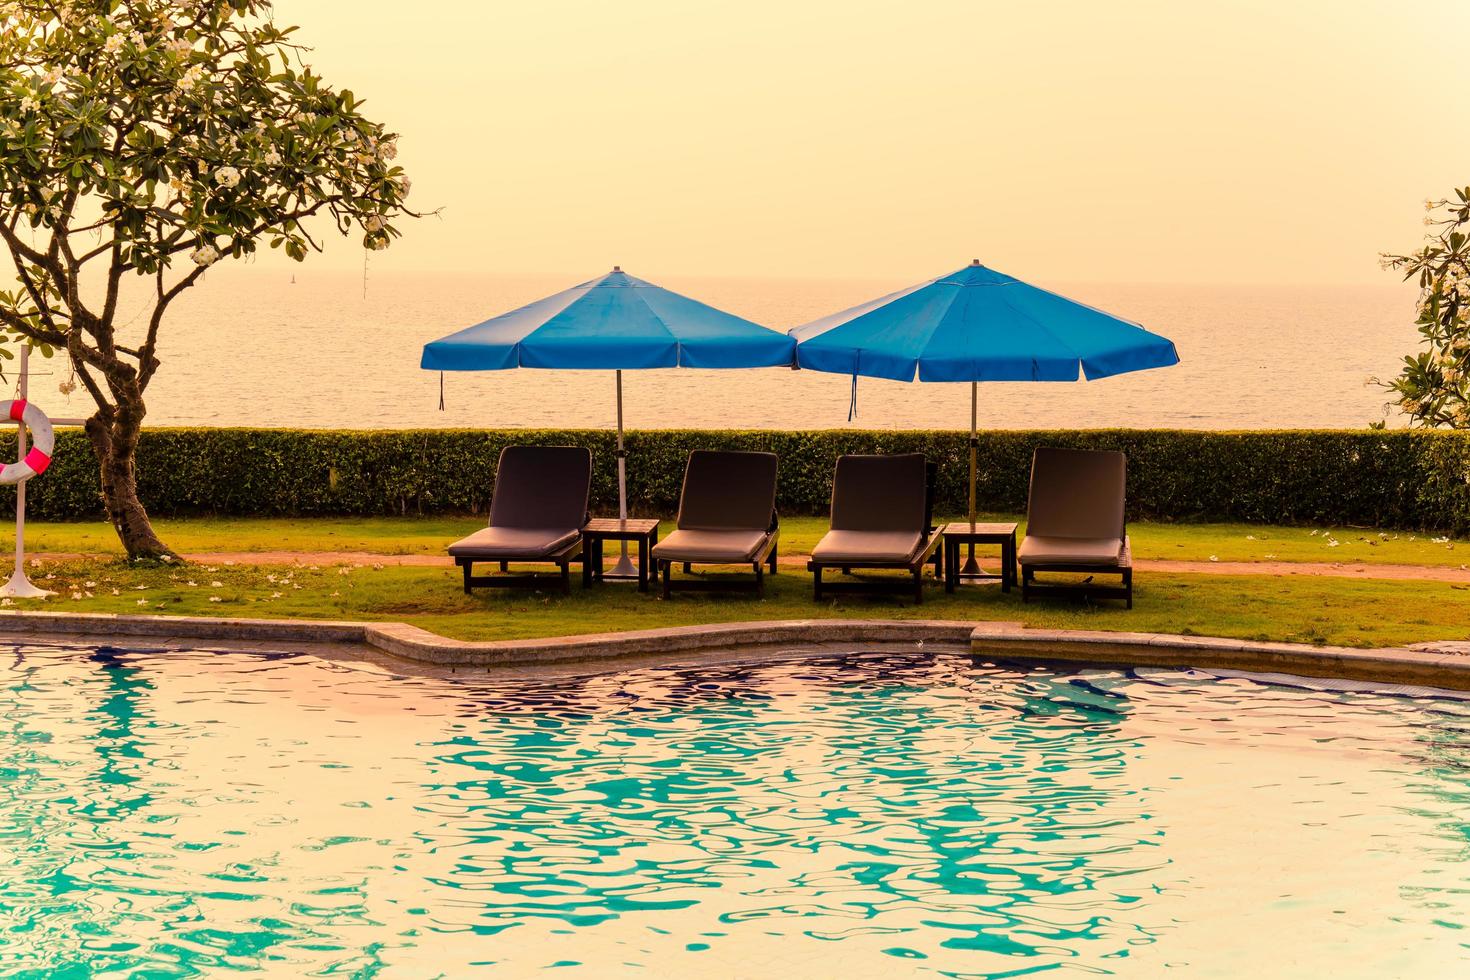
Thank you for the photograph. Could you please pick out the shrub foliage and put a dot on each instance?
(1405, 479)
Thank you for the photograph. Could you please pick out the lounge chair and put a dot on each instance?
(1075, 524)
(727, 516)
(537, 512)
(881, 518)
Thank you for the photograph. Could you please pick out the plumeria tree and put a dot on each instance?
(1434, 386)
(142, 141)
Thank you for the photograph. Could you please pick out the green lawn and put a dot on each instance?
(429, 535)
(1312, 609)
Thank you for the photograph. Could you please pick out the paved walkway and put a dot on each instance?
(1422, 573)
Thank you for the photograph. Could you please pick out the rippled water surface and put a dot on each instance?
(197, 813)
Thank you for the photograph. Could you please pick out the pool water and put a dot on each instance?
(183, 814)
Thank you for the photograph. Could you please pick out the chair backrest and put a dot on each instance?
(728, 491)
(542, 487)
(881, 493)
(1077, 493)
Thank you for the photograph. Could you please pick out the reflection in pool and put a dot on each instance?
(882, 815)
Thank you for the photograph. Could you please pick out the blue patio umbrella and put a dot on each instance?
(617, 323)
(978, 325)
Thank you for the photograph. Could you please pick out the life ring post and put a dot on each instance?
(30, 463)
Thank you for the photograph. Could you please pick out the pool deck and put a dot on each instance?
(1443, 664)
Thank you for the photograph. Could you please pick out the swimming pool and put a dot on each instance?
(193, 813)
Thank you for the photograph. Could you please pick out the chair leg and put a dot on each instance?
(1026, 574)
(817, 584)
(566, 576)
(919, 585)
(760, 580)
(665, 568)
(774, 547)
(688, 568)
(465, 567)
(1128, 584)
(505, 566)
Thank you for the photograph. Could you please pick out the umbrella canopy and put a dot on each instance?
(616, 322)
(978, 325)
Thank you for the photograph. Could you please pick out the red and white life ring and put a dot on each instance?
(43, 441)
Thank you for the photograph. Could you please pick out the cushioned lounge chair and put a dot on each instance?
(537, 512)
(881, 519)
(727, 516)
(1075, 524)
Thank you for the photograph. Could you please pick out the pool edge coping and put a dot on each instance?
(1400, 665)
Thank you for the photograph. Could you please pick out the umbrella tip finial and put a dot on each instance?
(974, 261)
(617, 268)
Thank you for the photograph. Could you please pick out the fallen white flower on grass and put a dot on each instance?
(215, 598)
(139, 588)
(216, 585)
(76, 596)
(6, 602)
(1269, 556)
(1250, 537)
(1444, 540)
(89, 585)
(334, 595)
(1331, 543)
(275, 595)
(192, 584)
(1214, 558)
(142, 602)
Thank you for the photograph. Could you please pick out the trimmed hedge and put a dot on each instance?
(1418, 480)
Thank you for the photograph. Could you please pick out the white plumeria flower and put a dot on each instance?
(215, 598)
(272, 158)
(216, 585)
(205, 255)
(275, 595)
(387, 151)
(227, 177)
(142, 602)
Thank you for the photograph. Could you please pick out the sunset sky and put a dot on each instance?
(1143, 140)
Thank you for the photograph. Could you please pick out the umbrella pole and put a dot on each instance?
(625, 567)
(972, 567)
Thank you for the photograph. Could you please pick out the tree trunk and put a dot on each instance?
(115, 446)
